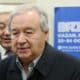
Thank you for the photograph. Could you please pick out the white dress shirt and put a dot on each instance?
(2, 52)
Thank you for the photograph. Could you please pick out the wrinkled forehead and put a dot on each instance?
(27, 16)
(28, 13)
(4, 17)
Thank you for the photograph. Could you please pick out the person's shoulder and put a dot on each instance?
(60, 55)
(9, 60)
(64, 62)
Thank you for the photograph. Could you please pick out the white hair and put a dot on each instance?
(26, 7)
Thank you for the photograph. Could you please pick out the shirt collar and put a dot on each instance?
(2, 50)
(31, 66)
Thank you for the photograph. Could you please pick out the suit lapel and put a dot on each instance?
(14, 73)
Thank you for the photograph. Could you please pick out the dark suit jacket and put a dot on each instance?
(53, 65)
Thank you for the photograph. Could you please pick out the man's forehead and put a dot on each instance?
(4, 17)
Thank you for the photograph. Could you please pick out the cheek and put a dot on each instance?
(37, 48)
(1, 33)
(37, 45)
(38, 42)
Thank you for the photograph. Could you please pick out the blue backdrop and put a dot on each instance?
(67, 30)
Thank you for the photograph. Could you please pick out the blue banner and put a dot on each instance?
(67, 30)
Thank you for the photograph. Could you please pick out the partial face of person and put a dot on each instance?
(28, 40)
(4, 33)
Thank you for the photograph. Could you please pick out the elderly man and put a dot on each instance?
(5, 38)
(34, 58)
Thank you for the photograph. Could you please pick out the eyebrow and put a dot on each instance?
(1, 23)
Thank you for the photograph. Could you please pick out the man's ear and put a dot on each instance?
(47, 35)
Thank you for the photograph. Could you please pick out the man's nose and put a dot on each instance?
(21, 38)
